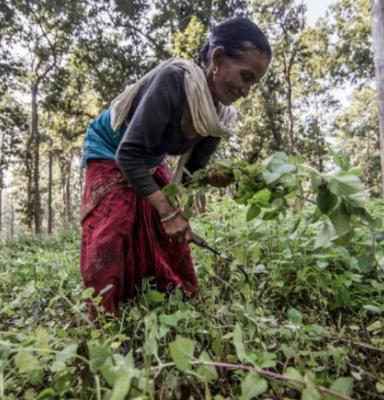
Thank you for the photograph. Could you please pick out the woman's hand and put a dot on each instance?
(219, 178)
(178, 229)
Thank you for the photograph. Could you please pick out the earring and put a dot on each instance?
(215, 70)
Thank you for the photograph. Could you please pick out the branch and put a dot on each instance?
(158, 48)
(271, 375)
(50, 44)
(262, 372)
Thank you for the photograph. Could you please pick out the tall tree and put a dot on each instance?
(378, 44)
(349, 26)
(269, 116)
(357, 134)
(45, 31)
(13, 123)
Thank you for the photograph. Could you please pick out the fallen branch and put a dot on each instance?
(271, 375)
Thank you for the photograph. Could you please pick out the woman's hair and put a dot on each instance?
(231, 34)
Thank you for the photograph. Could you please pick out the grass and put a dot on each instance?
(277, 315)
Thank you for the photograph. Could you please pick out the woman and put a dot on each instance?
(130, 230)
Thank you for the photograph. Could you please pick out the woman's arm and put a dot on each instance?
(201, 154)
(143, 133)
(147, 124)
(174, 224)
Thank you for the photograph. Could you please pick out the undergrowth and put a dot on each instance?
(274, 319)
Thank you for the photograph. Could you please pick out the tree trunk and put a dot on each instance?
(378, 46)
(291, 138)
(68, 190)
(12, 228)
(29, 175)
(270, 110)
(36, 158)
(50, 211)
(63, 187)
(1, 202)
(1, 181)
(320, 165)
(81, 184)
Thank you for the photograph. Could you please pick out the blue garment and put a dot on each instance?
(101, 141)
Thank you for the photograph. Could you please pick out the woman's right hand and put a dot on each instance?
(178, 229)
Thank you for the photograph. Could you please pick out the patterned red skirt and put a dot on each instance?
(123, 240)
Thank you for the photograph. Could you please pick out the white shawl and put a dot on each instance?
(206, 120)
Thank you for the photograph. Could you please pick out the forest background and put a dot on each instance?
(63, 61)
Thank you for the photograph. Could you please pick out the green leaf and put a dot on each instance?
(62, 382)
(122, 386)
(26, 361)
(261, 198)
(5, 351)
(43, 338)
(46, 394)
(324, 236)
(63, 356)
(341, 220)
(373, 309)
(294, 373)
(342, 385)
(97, 356)
(155, 296)
(182, 352)
(316, 181)
(375, 326)
(310, 393)
(170, 190)
(276, 166)
(359, 199)
(238, 342)
(344, 184)
(374, 222)
(295, 316)
(271, 215)
(112, 370)
(169, 320)
(380, 387)
(87, 293)
(207, 373)
(252, 386)
(224, 163)
(253, 212)
(345, 239)
(326, 201)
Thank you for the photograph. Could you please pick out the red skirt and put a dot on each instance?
(123, 240)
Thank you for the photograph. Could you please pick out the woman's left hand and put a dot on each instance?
(219, 178)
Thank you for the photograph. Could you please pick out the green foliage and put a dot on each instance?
(187, 44)
(277, 303)
(181, 351)
(299, 290)
(351, 28)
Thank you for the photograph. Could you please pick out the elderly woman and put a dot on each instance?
(129, 228)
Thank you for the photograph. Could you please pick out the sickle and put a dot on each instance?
(199, 241)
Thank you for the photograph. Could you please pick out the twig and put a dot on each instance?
(271, 375)
(83, 317)
(98, 391)
(262, 372)
(360, 344)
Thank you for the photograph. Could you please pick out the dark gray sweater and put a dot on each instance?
(154, 130)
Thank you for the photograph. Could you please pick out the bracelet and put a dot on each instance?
(170, 216)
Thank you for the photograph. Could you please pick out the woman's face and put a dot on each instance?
(232, 78)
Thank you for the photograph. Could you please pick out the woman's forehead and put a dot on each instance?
(254, 59)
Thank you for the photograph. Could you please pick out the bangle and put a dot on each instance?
(170, 216)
